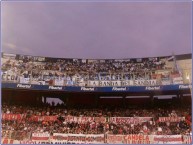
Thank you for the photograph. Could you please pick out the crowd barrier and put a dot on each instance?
(59, 138)
(99, 83)
(116, 120)
(177, 87)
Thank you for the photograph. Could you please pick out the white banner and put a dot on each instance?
(58, 82)
(178, 80)
(53, 141)
(166, 82)
(109, 83)
(146, 139)
(139, 139)
(129, 120)
(36, 82)
(34, 142)
(187, 139)
(144, 82)
(123, 83)
(8, 55)
(129, 139)
(104, 83)
(171, 119)
(167, 139)
(23, 80)
(84, 119)
(116, 139)
(40, 136)
(76, 138)
(95, 139)
(78, 119)
(127, 83)
(60, 136)
(93, 83)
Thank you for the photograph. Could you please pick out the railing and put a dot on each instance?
(61, 138)
(105, 81)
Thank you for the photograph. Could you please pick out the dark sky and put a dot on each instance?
(96, 29)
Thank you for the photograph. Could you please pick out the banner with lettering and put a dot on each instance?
(84, 119)
(104, 83)
(12, 116)
(76, 138)
(145, 82)
(123, 83)
(59, 82)
(129, 120)
(24, 80)
(60, 137)
(100, 119)
(116, 139)
(53, 141)
(37, 82)
(129, 139)
(43, 118)
(178, 80)
(40, 136)
(167, 139)
(174, 75)
(138, 139)
(171, 119)
(95, 139)
(187, 139)
(165, 81)
(146, 139)
(27, 142)
(37, 142)
(78, 119)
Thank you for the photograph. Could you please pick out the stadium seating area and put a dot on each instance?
(77, 72)
(19, 122)
(32, 123)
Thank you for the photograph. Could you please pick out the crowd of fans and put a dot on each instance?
(23, 128)
(77, 70)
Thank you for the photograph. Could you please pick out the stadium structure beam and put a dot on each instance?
(151, 100)
(97, 100)
(45, 99)
(181, 98)
(124, 100)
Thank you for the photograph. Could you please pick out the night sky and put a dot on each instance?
(96, 29)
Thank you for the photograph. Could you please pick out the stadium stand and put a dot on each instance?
(95, 117)
(78, 72)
